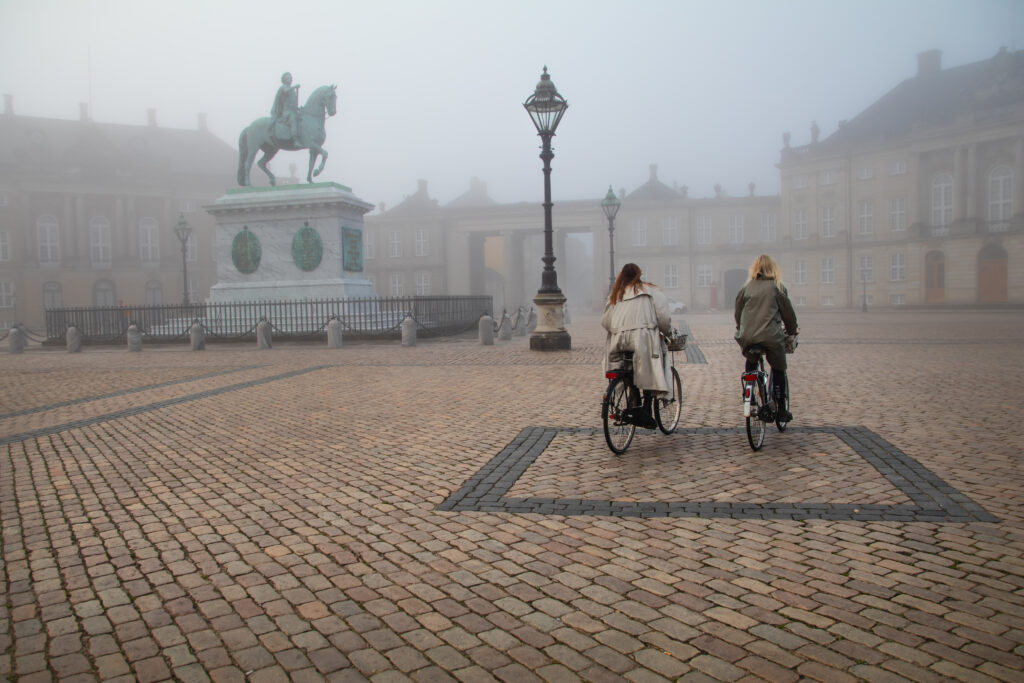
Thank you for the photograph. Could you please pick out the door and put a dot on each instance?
(934, 277)
(992, 274)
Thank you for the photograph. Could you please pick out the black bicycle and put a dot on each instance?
(622, 409)
(759, 406)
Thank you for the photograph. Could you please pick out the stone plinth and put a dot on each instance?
(289, 242)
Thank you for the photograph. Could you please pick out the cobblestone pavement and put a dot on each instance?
(451, 512)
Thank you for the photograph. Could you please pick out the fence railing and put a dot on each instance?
(362, 318)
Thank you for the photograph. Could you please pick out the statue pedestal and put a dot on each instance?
(289, 242)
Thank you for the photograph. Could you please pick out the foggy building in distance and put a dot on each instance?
(87, 212)
(917, 200)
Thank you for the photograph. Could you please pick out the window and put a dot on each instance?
(898, 214)
(768, 227)
(671, 276)
(395, 244)
(898, 270)
(828, 221)
(736, 229)
(6, 295)
(704, 276)
(369, 252)
(155, 293)
(422, 243)
(799, 272)
(99, 241)
(799, 224)
(422, 283)
(828, 300)
(187, 205)
(5, 245)
(48, 239)
(669, 233)
(703, 228)
(897, 300)
(800, 301)
(396, 284)
(191, 248)
(898, 167)
(866, 216)
(942, 203)
(53, 295)
(827, 177)
(149, 240)
(104, 294)
(639, 232)
(866, 173)
(1000, 198)
(799, 182)
(867, 272)
(828, 271)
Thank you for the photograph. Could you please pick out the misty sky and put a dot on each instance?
(434, 89)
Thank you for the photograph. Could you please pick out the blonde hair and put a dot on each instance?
(765, 266)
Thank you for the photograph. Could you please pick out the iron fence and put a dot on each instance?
(305, 319)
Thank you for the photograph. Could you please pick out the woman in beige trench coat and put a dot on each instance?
(636, 317)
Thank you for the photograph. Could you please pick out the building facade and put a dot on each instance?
(87, 213)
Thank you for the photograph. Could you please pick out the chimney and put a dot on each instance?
(202, 122)
(422, 189)
(9, 105)
(152, 117)
(654, 172)
(83, 111)
(929, 62)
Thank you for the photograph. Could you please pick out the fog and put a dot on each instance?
(434, 90)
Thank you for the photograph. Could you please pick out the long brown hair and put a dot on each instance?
(765, 266)
(629, 278)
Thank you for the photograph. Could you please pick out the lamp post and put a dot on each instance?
(864, 291)
(546, 107)
(610, 205)
(183, 230)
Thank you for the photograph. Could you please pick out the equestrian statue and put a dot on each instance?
(288, 127)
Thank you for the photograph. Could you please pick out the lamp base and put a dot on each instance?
(550, 334)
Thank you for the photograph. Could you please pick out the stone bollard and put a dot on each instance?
(334, 330)
(134, 338)
(264, 335)
(531, 323)
(16, 340)
(408, 331)
(485, 330)
(197, 336)
(505, 329)
(74, 340)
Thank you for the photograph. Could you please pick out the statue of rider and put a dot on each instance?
(286, 108)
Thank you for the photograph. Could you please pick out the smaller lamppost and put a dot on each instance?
(183, 230)
(864, 290)
(610, 205)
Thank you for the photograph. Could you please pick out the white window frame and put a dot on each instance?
(396, 284)
(369, 252)
(800, 224)
(828, 300)
(828, 271)
(149, 240)
(867, 269)
(48, 239)
(705, 276)
(5, 245)
(898, 167)
(799, 300)
(799, 272)
(898, 267)
(186, 205)
(736, 229)
(799, 182)
(53, 295)
(866, 173)
(827, 177)
(942, 203)
(702, 226)
(191, 249)
(866, 216)
(422, 242)
(1000, 198)
(154, 293)
(104, 287)
(99, 242)
(898, 300)
(671, 276)
(423, 283)
(768, 229)
(898, 214)
(828, 221)
(6, 295)
(395, 244)
(669, 231)
(639, 236)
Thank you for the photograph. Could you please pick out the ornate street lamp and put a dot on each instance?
(610, 205)
(183, 230)
(546, 107)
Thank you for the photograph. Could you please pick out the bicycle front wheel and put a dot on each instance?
(756, 427)
(618, 398)
(668, 410)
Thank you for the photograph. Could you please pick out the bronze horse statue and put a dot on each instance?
(258, 135)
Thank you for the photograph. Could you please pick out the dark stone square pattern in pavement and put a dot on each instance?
(923, 495)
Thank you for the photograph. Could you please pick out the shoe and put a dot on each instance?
(785, 415)
(646, 421)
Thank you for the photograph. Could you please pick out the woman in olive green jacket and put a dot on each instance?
(764, 316)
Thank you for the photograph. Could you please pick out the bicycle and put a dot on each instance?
(622, 406)
(759, 406)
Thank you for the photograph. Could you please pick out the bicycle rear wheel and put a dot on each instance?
(618, 398)
(667, 411)
(756, 427)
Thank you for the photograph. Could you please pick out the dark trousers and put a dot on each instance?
(778, 377)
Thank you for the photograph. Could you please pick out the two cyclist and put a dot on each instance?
(635, 317)
(764, 317)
